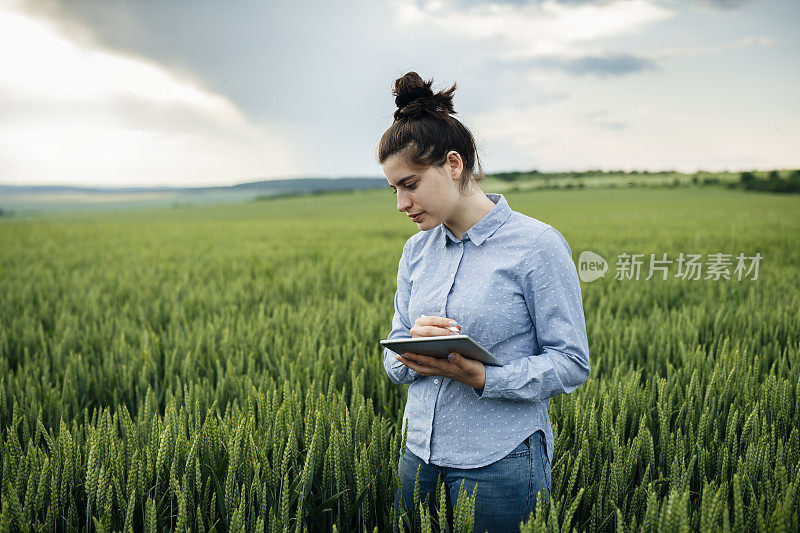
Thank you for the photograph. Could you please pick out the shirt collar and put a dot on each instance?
(482, 229)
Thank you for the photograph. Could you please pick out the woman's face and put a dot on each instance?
(432, 195)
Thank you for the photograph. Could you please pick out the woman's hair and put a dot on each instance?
(423, 131)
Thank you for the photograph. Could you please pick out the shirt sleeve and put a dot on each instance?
(553, 295)
(401, 326)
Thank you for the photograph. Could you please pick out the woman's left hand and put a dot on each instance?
(456, 367)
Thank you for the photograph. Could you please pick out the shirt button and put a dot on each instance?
(436, 381)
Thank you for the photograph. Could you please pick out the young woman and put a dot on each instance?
(508, 281)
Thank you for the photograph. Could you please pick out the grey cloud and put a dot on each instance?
(262, 55)
(610, 65)
(712, 4)
(707, 4)
(599, 65)
(721, 4)
(308, 69)
(582, 2)
(472, 3)
(726, 4)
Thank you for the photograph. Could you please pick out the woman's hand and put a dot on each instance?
(433, 326)
(456, 367)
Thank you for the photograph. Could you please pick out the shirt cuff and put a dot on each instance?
(493, 386)
(400, 373)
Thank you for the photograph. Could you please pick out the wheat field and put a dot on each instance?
(217, 368)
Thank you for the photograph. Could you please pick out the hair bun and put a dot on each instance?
(415, 98)
(406, 97)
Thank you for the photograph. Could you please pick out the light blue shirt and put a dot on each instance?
(511, 284)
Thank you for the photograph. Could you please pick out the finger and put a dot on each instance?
(411, 356)
(413, 366)
(441, 321)
(430, 331)
(422, 359)
(456, 358)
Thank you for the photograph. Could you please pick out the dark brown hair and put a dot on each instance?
(423, 131)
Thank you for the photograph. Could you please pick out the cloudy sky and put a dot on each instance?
(152, 92)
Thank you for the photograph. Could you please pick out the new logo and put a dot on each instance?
(591, 266)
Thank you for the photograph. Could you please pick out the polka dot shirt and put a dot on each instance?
(511, 284)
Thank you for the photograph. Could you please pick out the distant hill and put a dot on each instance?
(20, 200)
(285, 185)
(34, 199)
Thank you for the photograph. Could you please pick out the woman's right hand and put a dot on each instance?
(433, 326)
(427, 326)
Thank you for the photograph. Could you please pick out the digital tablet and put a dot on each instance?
(441, 346)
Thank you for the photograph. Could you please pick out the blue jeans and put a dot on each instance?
(506, 492)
